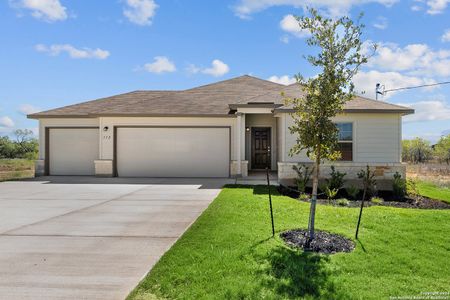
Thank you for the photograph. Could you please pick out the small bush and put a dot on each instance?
(352, 192)
(411, 187)
(303, 175)
(398, 186)
(342, 202)
(330, 193)
(369, 182)
(304, 197)
(336, 181)
(376, 200)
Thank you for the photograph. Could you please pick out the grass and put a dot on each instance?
(434, 191)
(228, 253)
(12, 169)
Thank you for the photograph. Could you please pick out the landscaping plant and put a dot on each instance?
(376, 200)
(352, 192)
(323, 96)
(336, 180)
(303, 176)
(342, 202)
(369, 184)
(398, 186)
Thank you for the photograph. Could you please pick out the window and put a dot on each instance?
(345, 144)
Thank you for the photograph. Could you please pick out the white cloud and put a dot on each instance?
(428, 110)
(381, 23)
(437, 6)
(245, 8)
(285, 79)
(218, 68)
(284, 39)
(290, 25)
(140, 12)
(414, 59)
(446, 36)
(27, 109)
(47, 10)
(6, 122)
(73, 52)
(161, 64)
(365, 82)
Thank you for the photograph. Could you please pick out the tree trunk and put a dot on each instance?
(312, 212)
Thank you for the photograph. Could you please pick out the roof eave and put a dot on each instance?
(363, 110)
(44, 116)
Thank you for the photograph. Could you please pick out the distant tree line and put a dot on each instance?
(24, 145)
(419, 150)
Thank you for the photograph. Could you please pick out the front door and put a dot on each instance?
(261, 147)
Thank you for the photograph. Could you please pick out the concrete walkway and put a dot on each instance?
(91, 238)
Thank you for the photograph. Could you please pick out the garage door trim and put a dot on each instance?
(47, 143)
(115, 171)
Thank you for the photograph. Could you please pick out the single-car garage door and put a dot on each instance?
(173, 151)
(72, 151)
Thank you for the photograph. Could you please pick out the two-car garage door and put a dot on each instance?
(173, 151)
(143, 151)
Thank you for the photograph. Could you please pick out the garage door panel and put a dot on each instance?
(173, 152)
(73, 151)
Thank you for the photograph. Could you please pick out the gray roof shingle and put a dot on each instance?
(208, 100)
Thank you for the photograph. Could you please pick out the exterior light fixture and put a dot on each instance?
(105, 128)
(247, 129)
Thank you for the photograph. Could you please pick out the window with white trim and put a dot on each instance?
(345, 141)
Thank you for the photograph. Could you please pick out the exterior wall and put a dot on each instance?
(261, 120)
(376, 138)
(376, 142)
(244, 168)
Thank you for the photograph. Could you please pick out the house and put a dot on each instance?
(222, 129)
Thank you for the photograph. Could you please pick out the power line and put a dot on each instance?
(415, 87)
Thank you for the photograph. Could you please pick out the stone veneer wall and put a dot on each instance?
(384, 172)
(244, 168)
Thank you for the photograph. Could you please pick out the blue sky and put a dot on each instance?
(59, 52)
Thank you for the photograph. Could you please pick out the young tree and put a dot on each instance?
(338, 60)
(442, 149)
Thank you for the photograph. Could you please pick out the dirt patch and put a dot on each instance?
(323, 242)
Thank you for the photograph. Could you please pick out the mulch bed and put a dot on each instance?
(418, 202)
(323, 242)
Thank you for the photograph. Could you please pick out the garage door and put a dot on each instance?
(173, 152)
(72, 151)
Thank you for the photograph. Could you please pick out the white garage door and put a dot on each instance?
(72, 151)
(173, 152)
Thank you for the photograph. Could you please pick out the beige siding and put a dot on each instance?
(376, 138)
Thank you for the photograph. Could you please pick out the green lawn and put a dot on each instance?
(11, 169)
(228, 253)
(431, 190)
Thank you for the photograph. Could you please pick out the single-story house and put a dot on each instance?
(222, 129)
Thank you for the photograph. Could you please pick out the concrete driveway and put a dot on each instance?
(91, 238)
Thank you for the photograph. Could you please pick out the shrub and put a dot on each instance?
(330, 193)
(411, 187)
(303, 197)
(376, 200)
(352, 192)
(303, 175)
(336, 180)
(369, 181)
(398, 186)
(342, 202)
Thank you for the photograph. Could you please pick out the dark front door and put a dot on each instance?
(261, 147)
